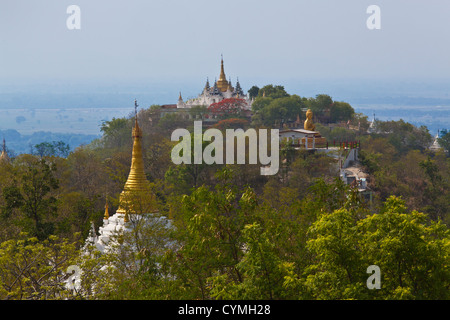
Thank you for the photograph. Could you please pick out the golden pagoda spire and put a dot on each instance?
(106, 216)
(137, 181)
(222, 83)
(4, 155)
(222, 71)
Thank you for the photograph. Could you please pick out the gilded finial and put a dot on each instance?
(136, 132)
(222, 72)
(106, 216)
(135, 108)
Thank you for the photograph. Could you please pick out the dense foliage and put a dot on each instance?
(233, 234)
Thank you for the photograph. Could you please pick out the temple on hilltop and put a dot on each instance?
(435, 146)
(137, 201)
(221, 89)
(373, 125)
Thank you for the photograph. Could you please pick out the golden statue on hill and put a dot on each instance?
(309, 125)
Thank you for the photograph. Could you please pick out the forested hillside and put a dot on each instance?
(300, 234)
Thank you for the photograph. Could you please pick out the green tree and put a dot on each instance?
(336, 134)
(253, 92)
(435, 195)
(444, 141)
(32, 195)
(35, 270)
(338, 272)
(75, 212)
(85, 173)
(192, 174)
(376, 153)
(280, 110)
(209, 233)
(54, 148)
(321, 106)
(116, 133)
(44, 149)
(273, 91)
(360, 121)
(341, 111)
(154, 108)
(262, 270)
(412, 254)
(404, 136)
(169, 122)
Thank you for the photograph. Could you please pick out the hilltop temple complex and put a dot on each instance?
(220, 90)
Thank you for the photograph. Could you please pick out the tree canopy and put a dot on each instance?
(226, 231)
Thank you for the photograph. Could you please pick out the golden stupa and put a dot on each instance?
(222, 83)
(106, 215)
(136, 192)
(4, 156)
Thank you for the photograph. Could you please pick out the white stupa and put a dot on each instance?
(435, 145)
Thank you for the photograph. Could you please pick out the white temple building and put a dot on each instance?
(220, 90)
(113, 227)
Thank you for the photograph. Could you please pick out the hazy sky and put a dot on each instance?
(182, 40)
